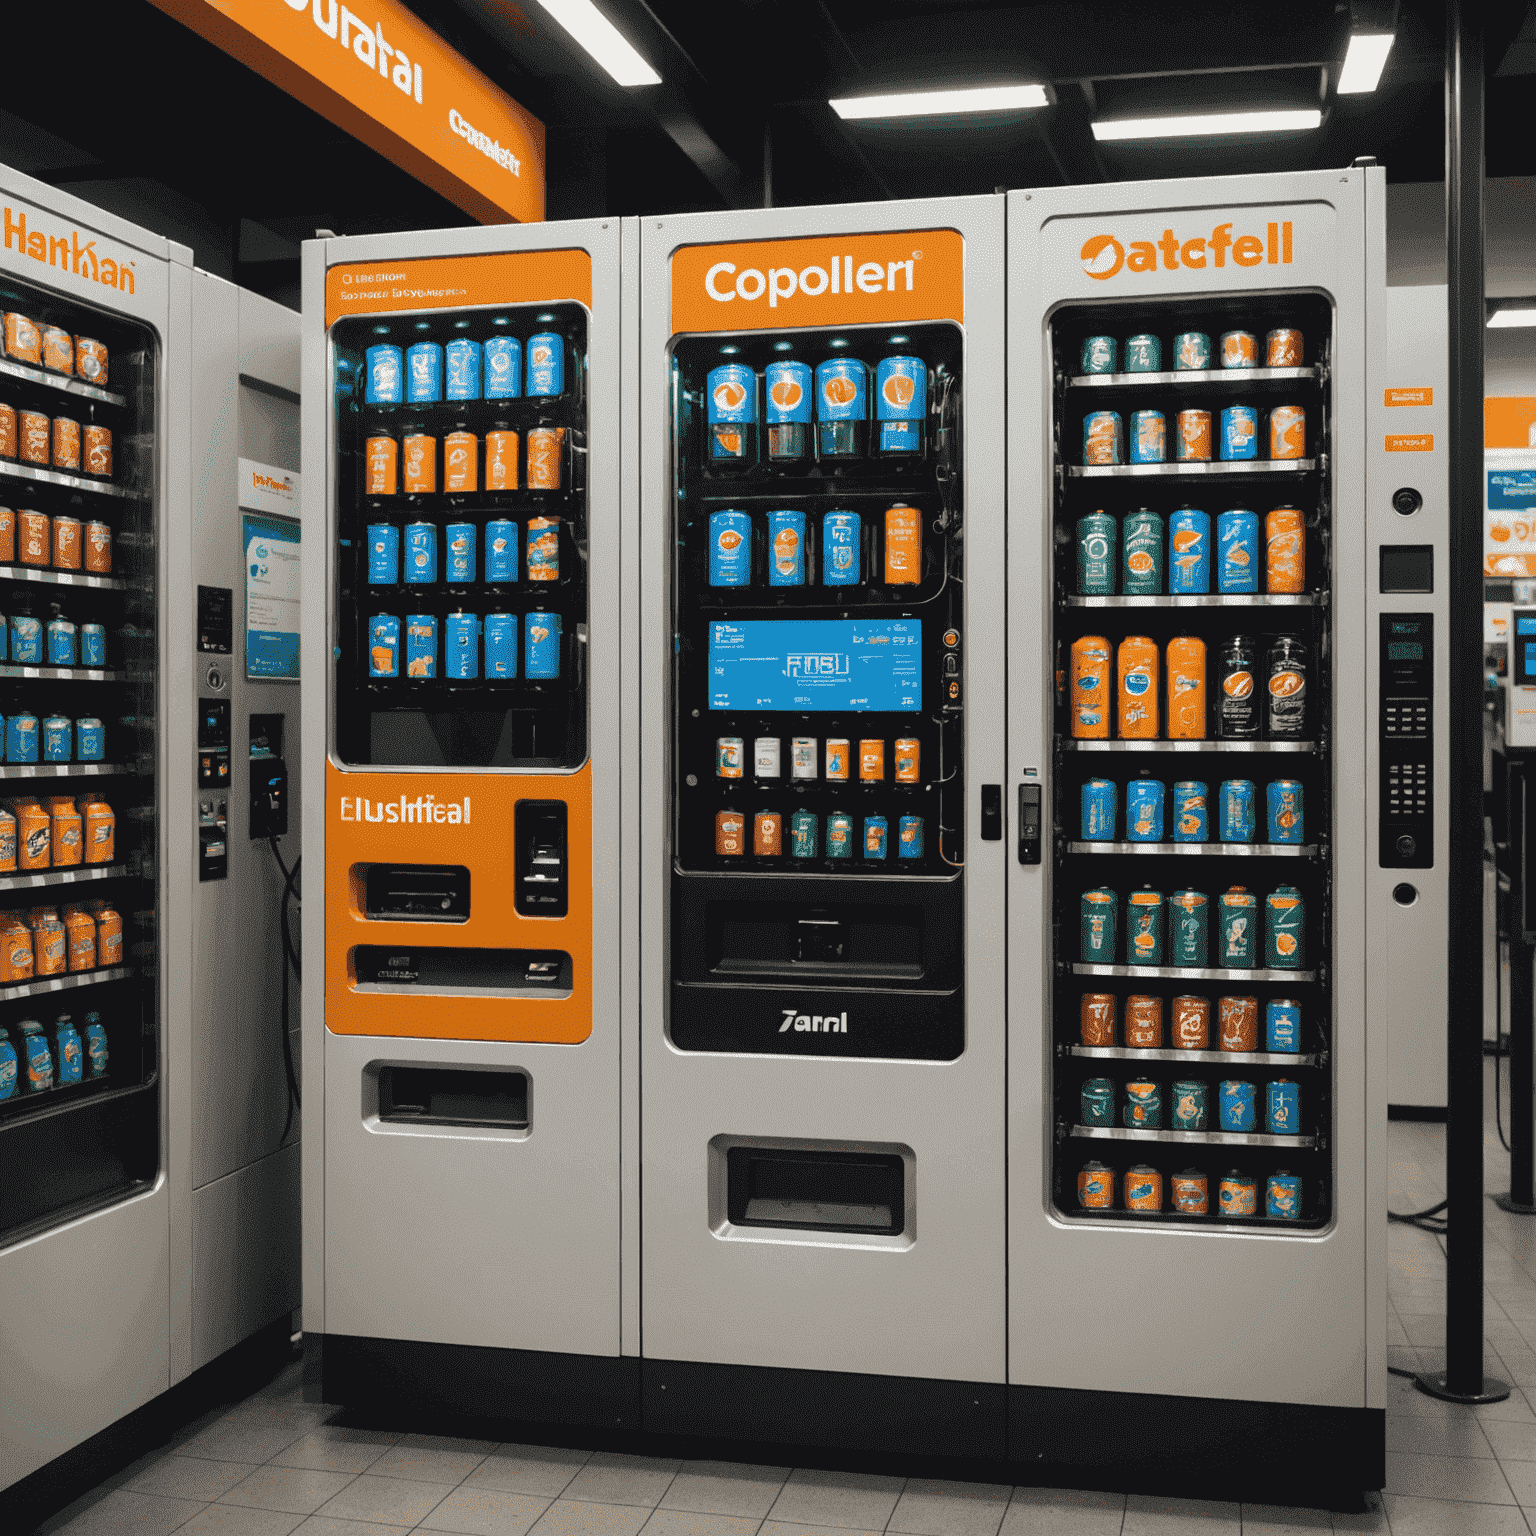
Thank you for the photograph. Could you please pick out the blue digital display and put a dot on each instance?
(816, 664)
(1525, 626)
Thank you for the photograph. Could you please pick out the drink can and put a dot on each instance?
(909, 838)
(501, 545)
(1100, 354)
(1283, 348)
(503, 368)
(461, 462)
(58, 739)
(1193, 443)
(1191, 1193)
(1144, 1023)
(1238, 799)
(804, 836)
(839, 835)
(1282, 1196)
(93, 645)
(461, 541)
(1138, 666)
(424, 373)
(872, 759)
(383, 554)
(1239, 432)
(1103, 438)
(463, 368)
(383, 370)
(1144, 810)
(95, 1046)
(546, 364)
(66, 443)
(1237, 1194)
(731, 390)
(1237, 1023)
(1143, 539)
(1286, 688)
(1190, 797)
(38, 1056)
(730, 828)
(901, 404)
(730, 757)
(7, 518)
(91, 361)
(768, 834)
(1143, 1106)
(383, 645)
(1239, 349)
(34, 537)
(1186, 688)
(786, 548)
(545, 446)
(1191, 921)
(1282, 1108)
(909, 759)
(63, 643)
(23, 338)
(541, 645)
(1192, 1023)
(767, 760)
(841, 562)
(1238, 705)
(420, 554)
(1189, 1111)
(802, 757)
(875, 830)
(26, 640)
(1237, 551)
(1097, 921)
(58, 350)
(1098, 535)
(1238, 1101)
(1284, 799)
(21, 738)
(420, 458)
(381, 461)
(1143, 354)
(1288, 432)
(839, 756)
(1285, 929)
(787, 390)
(1144, 924)
(98, 451)
(1238, 912)
(842, 407)
(1191, 351)
(1282, 1026)
(501, 459)
(1097, 1023)
(543, 549)
(1096, 1101)
(1098, 811)
(35, 432)
(1285, 550)
(421, 646)
(730, 549)
(1143, 1188)
(461, 644)
(1091, 704)
(1096, 1187)
(500, 646)
(1149, 437)
(903, 545)
(101, 848)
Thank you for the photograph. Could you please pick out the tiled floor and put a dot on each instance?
(274, 1464)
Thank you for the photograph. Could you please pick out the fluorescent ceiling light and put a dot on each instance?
(1364, 62)
(1214, 124)
(602, 40)
(986, 98)
(1501, 318)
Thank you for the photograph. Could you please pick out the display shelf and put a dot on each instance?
(57, 381)
(61, 1098)
(64, 770)
(64, 983)
(57, 477)
(1206, 744)
(1192, 973)
(1187, 1218)
(1207, 850)
(1192, 1138)
(61, 578)
(1234, 1058)
(1237, 377)
(1192, 467)
(1190, 600)
(71, 876)
(66, 674)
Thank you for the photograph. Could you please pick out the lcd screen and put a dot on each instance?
(816, 664)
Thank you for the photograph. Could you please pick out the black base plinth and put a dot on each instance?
(1432, 1384)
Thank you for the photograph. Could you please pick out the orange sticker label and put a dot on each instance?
(1424, 395)
(1410, 442)
(457, 282)
(1509, 421)
(881, 279)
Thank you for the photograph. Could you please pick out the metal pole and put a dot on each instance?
(1522, 1022)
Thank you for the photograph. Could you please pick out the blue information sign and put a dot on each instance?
(816, 664)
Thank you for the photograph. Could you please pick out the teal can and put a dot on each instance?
(1098, 536)
(1285, 929)
(1143, 354)
(1237, 920)
(1191, 1107)
(1191, 350)
(1143, 1106)
(803, 835)
(1098, 1101)
(1100, 354)
(1097, 925)
(1191, 922)
(1142, 567)
(1144, 927)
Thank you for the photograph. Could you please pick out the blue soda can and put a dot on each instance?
(463, 368)
(21, 738)
(1284, 797)
(1191, 350)
(1238, 798)
(804, 835)
(500, 646)
(875, 829)
(1190, 815)
(1103, 438)
(63, 642)
(421, 646)
(37, 1058)
(901, 404)
(383, 372)
(1282, 1026)
(1100, 354)
(93, 645)
(1282, 1108)
(541, 645)
(546, 364)
(1144, 810)
(1237, 551)
(787, 391)
(1099, 807)
(420, 554)
(66, 1051)
(839, 835)
(383, 554)
(1143, 354)
(1282, 1196)
(1189, 551)
(58, 739)
(1149, 437)
(26, 640)
(461, 646)
(1239, 432)
(1237, 1101)
(5, 638)
(501, 550)
(90, 739)
(462, 538)
(384, 645)
(8, 1061)
(730, 549)
(424, 373)
(95, 1046)
(841, 565)
(842, 407)
(786, 549)
(731, 390)
(503, 368)
(909, 837)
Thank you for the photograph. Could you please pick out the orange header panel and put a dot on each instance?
(1423, 395)
(383, 76)
(886, 279)
(1411, 442)
(1509, 421)
(457, 282)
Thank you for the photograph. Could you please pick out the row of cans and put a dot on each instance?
(54, 739)
(1106, 441)
(465, 370)
(1237, 1193)
(26, 641)
(412, 459)
(841, 392)
(837, 756)
(1177, 931)
(53, 1058)
(41, 942)
(1142, 559)
(768, 828)
(56, 834)
(1284, 347)
(459, 637)
(28, 537)
(1148, 818)
(53, 348)
(1237, 1024)
(57, 442)
(1248, 703)
(842, 548)
(502, 538)
(1188, 1107)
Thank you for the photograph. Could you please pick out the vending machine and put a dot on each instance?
(1203, 697)
(821, 858)
(461, 734)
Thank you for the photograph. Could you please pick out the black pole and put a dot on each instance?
(1521, 1198)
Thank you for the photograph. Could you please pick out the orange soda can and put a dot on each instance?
(23, 340)
(1137, 711)
(767, 834)
(1287, 432)
(16, 962)
(461, 462)
(7, 536)
(1098, 1018)
(1285, 550)
(91, 360)
(1143, 1188)
(1186, 689)
(34, 538)
(33, 831)
(34, 437)
(58, 350)
(1237, 1018)
(65, 833)
(501, 461)
(871, 759)
(1191, 1192)
(381, 475)
(544, 446)
(1096, 1187)
(1283, 348)
(66, 542)
(98, 451)
(1144, 1023)
(1239, 349)
(903, 545)
(1090, 688)
(66, 443)
(109, 934)
(420, 453)
(98, 548)
(1194, 440)
(729, 829)
(80, 939)
(7, 431)
(838, 755)
(100, 832)
(7, 840)
(1192, 1023)
(909, 757)
(48, 943)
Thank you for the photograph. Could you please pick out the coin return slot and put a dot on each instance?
(815, 1191)
(450, 972)
(416, 893)
(453, 1096)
